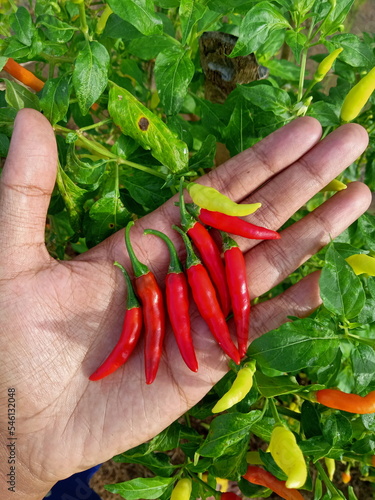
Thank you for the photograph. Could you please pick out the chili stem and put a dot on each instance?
(274, 411)
(83, 20)
(95, 125)
(289, 413)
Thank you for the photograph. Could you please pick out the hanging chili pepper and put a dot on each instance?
(23, 75)
(235, 271)
(208, 251)
(211, 199)
(240, 388)
(351, 403)
(204, 296)
(103, 20)
(326, 65)
(232, 224)
(362, 264)
(257, 475)
(131, 331)
(345, 476)
(182, 490)
(177, 295)
(288, 456)
(357, 97)
(331, 466)
(152, 301)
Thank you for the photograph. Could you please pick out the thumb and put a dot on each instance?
(26, 184)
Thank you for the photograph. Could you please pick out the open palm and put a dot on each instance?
(59, 320)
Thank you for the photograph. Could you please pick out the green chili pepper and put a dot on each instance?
(362, 263)
(240, 387)
(103, 20)
(358, 96)
(334, 185)
(288, 456)
(331, 466)
(326, 65)
(210, 199)
(182, 490)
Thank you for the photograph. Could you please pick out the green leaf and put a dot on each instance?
(336, 17)
(296, 41)
(168, 439)
(18, 97)
(148, 47)
(263, 428)
(232, 466)
(190, 12)
(275, 386)
(56, 30)
(173, 73)
(16, 49)
(268, 98)
(363, 363)
(227, 430)
(238, 134)
(3, 61)
(310, 420)
(316, 447)
(259, 21)
(356, 52)
(286, 70)
(74, 197)
(119, 28)
(366, 227)
(295, 345)
(139, 13)
(141, 488)
(337, 430)
(147, 129)
(22, 25)
(271, 465)
(205, 157)
(326, 113)
(84, 174)
(367, 315)
(340, 289)
(214, 116)
(54, 99)
(4, 145)
(90, 75)
(158, 463)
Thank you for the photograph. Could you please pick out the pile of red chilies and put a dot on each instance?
(218, 287)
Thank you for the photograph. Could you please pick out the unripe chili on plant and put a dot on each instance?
(152, 301)
(331, 467)
(362, 264)
(334, 185)
(23, 75)
(211, 199)
(239, 389)
(351, 403)
(288, 456)
(257, 475)
(358, 96)
(182, 490)
(103, 20)
(326, 65)
(235, 271)
(177, 298)
(231, 224)
(208, 251)
(131, 331)
(205, 298)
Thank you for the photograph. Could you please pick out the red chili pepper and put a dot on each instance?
(229, 496)
(204, 296)
(352, 403)
(152, 301)
(131, 331)
(177, 293)
(232, 224)
(235, 269)
(209, 253)
(257, 475)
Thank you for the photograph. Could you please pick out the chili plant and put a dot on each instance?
(141, 94)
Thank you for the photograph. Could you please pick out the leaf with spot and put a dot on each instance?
(174, 71)
(135, 120)
(90, 75)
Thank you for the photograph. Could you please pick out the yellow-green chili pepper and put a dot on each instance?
(326, 65)
(331, 466)
(240, 387)
(288, 456)
(253, 458)
(358, 96)
(182, 490)
(334, 185)
(103, 20)
(362, 263)
(210, 199)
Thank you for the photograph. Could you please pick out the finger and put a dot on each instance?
(294, 186)
(245, 172)
(26, 185)
(272, 261)
(299, 300)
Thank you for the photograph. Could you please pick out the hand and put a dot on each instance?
(60, 319)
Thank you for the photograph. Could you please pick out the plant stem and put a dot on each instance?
(326, 479)
(289, 413)
(56, 59)
(95, 125)
(302, 73)
(274, 411)
(83, 20)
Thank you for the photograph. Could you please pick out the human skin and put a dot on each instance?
(60, 319)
